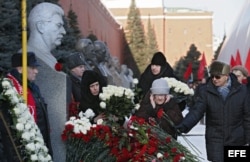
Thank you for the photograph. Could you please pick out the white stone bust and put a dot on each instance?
(45, 31)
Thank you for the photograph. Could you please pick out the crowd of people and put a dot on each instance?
(224, 98)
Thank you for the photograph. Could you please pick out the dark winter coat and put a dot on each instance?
(7, 151)
(75, 87)
(227, 122)
(171, 108)
(147, 77)
(42, 115)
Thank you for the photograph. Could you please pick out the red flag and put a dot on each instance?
(238, 59)
(202, 66)
(188, 71)
(232, 62)
(247, 63)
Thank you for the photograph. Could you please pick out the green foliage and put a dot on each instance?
(152, 45)
(217, 52)
(135, 36)
(192, 56)
(11, 30)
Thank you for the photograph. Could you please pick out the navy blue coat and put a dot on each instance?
(227, 122)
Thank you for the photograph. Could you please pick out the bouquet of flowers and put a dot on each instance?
(179, 90)
(84, 141)
(27, 135)
(141, 142)
(178, 87)
(117, 101)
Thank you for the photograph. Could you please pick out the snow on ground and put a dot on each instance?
(197, 137)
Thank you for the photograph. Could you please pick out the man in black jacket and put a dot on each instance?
(226, 104)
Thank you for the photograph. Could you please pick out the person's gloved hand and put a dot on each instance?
(180, 128)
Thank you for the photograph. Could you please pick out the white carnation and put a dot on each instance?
(159, 155)
(99, 122)
(19, 126)
(31, 146)
(103, 105)
(89, 113)
(34, 157)
(135, 81)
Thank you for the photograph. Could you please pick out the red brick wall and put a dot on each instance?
(94, 18)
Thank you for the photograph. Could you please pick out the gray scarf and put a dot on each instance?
(224, 90)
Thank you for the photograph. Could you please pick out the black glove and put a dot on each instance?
(180, 128)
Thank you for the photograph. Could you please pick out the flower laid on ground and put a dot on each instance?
(86, 142)
(117, 101)
(156, 144)
(162, 114)
(140, 142)
(31, 146)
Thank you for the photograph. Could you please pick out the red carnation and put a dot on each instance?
(58, 66)
(168, 139)
(160, 113)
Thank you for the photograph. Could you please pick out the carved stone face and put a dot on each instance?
(53, 31)
(87, 48)
(101, 51)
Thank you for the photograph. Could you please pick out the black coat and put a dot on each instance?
(147, 77)
(75, 87)
(227, 122)
(42, 115)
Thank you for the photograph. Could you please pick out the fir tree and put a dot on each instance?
(135, 36)
(152, 45)
(11, 29)
(192, 56)
(217, 52)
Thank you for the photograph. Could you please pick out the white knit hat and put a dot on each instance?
(160, 86)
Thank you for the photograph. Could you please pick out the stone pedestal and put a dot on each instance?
(55, 89)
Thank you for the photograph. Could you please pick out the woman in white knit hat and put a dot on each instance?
(156, 100)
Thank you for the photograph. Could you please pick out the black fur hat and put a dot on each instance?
(158, 59)
(74, 60)
(219, 68)
(16, 60)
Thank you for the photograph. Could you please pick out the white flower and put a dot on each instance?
(81, 114)
(17, 111)
(131, 134)
(9, 92)
(159, 155)
(34, 157)
(14, 100)
(132, 127)
(6, 84)
(103, 105)
(19, 126)
(28, 126)
(89, 113)
(179, 87)
(31, 147)
(135, 81)
(28, 132)
(137, 106)
(102, 96)
(99, 122)
(26, 136)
